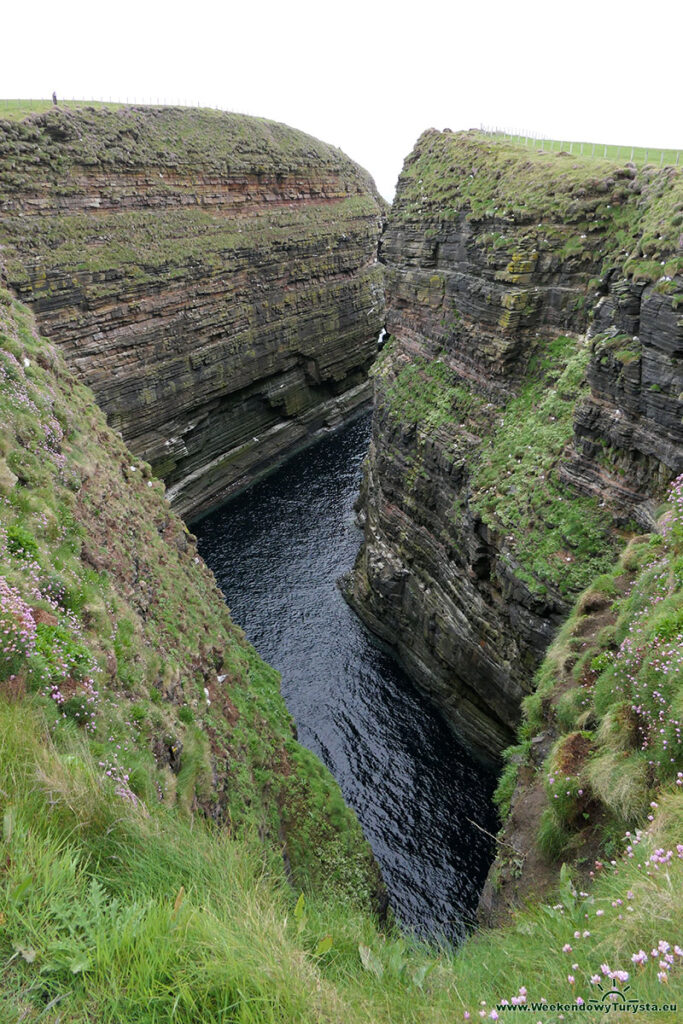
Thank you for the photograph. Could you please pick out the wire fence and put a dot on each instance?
(595, 150)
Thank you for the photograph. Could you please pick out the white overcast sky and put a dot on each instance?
(368, 76)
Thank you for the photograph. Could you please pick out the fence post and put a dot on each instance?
(661, 158)
(605, 156)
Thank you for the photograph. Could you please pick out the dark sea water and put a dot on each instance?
(277, 551)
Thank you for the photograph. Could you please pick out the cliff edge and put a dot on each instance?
(212, 276)
(527, 407)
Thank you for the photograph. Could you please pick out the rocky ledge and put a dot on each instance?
(213, 277)
(527, 409)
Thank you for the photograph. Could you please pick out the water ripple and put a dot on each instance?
(277, 551)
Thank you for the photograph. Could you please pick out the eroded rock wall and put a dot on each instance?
(510, 441)
(627, 433)
(213, 277)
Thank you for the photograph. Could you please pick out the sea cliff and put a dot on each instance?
(168, 851)
(213, 277)
(527, 407)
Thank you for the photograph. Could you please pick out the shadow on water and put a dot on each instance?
(277, 551)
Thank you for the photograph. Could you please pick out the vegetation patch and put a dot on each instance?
(627, 216)
(611, 690)
(114, 911)
(555, 535)
(429, 394)
(100, 589)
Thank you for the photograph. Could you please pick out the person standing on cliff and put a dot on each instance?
(54, 98)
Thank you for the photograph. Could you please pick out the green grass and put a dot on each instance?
(123, 916)
(598, 150)
(429, 394)
(99, 588)
(112, 914)
(168, 138)
(512, 758)
(557, 535)
(613, 692)
(599, 209)
(16, 110)
(510, 182)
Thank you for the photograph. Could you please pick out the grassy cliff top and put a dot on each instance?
(141, 193)
(17, 110)
(179, 139)
(638, 213)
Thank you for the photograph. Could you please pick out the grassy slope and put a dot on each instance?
(611, 692)
(111, 915)
(115, 905)
(114, 628)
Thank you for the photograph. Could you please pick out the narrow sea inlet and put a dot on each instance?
(277, 551)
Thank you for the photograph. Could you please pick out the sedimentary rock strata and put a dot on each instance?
(527, 405)
(213, 277)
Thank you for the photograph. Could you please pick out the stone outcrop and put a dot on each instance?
(508, 438)
(213, 277)
(628, 430)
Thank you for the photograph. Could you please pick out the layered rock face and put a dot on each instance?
(627, 442)
(213, 277)
(506, 443)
